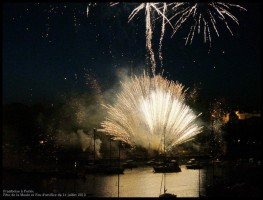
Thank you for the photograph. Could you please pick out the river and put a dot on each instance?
(138, 182)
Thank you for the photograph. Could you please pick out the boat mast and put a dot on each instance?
(199, 189)
(110, 151)
(94, 131)
(119, 168)
(164, 189)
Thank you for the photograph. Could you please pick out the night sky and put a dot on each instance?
(49, 47)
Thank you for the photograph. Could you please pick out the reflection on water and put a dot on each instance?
(138, 182)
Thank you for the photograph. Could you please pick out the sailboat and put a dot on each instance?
(114, 169)
(165, 194)
(95, 167)
(166, 168)
(103, 168)
(193, 164)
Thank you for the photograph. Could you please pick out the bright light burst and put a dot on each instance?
(147, 109)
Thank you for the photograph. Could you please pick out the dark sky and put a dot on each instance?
(48, 48)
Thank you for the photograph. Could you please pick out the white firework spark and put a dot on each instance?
(147, 109)
(113, 3)
(90, 5)
(204, 15)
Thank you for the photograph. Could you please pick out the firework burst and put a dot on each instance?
(204, 16)
(147, 109)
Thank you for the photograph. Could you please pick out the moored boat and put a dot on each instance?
(167, 167)
(193, 164)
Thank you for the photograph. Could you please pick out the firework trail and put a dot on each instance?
(162, 35)
(149, 37)
(147, 109)
(150, 10)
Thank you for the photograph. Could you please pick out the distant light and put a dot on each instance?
(41, 142)
(238, 140)
(65, 78)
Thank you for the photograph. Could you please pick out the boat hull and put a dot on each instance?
(166, 169)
